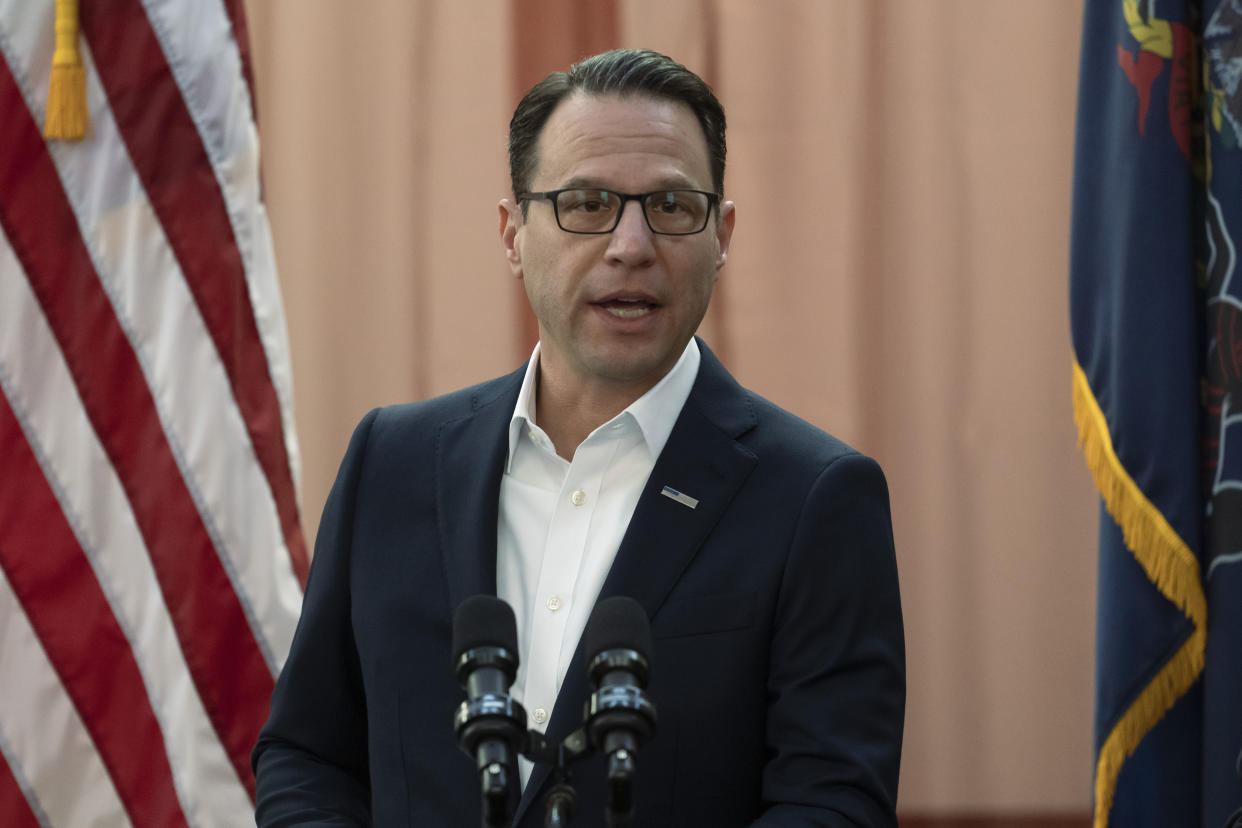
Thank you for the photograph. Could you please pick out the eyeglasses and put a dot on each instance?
(668, 212)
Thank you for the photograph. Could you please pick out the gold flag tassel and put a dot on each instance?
(66, 97)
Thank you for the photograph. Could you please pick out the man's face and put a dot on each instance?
(616, 310)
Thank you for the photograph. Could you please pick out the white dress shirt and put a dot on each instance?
(561, 523)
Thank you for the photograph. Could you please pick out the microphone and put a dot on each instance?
(620, 718)
(489, 724)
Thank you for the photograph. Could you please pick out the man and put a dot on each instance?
(622, 460)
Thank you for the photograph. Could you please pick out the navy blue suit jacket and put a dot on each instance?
(778, 663)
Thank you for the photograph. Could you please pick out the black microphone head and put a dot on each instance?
(483, 621)
(619, 715)
(618, 623)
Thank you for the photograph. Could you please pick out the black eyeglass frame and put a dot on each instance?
(713, 202)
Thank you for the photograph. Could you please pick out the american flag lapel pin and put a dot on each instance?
(683, 499)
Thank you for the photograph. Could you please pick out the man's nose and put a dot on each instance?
(632, 242)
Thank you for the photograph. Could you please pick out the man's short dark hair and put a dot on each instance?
(623, 72)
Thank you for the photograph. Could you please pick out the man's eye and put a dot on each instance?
(670, 204)
(588, 202)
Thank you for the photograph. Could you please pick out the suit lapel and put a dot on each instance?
(470, 457)
(702, 459)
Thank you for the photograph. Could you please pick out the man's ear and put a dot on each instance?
(510, 224)
(724, 232)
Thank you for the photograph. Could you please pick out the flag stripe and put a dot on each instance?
(56, 767)
(236, 10)
(222, 654)
(13, 803)
(41, 391)
(181, 185)
(80, 634)
(221, 104)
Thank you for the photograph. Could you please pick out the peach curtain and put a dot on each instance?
(902, 172)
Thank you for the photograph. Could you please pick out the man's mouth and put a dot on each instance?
(627, 308)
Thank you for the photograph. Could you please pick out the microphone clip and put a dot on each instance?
(561, 800)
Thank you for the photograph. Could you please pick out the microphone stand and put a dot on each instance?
(561, 799)
(494, 785)
(559, 807)
(620, 808)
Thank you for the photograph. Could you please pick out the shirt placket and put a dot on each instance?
(567, 540)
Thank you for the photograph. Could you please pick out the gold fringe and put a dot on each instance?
(1170, 565)
(1169, 685)
(66, 97)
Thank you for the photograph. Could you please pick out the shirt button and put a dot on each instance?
(541, 715)
(554, 603)
(578, 497)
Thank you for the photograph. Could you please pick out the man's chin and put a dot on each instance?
(630, 366)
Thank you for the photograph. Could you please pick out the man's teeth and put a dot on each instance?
(629, 312)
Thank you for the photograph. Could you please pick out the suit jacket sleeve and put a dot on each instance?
(310, 762)
(836, 684)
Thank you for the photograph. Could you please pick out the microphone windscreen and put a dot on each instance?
(484, 621)
(617, 623)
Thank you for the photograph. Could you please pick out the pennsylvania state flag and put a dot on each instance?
(1156, 316)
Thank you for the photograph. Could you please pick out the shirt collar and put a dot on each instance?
(655, 412)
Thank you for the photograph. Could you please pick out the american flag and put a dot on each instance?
(151, 557)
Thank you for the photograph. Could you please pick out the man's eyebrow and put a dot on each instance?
(578, 183)
(671, 183)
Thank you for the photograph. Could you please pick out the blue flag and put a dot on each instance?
(1156, 318)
